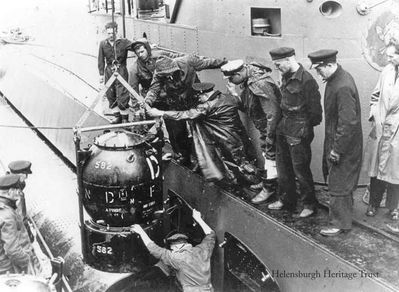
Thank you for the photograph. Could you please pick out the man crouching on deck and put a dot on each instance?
(191, 263)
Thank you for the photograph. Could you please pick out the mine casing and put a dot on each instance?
(122, 185)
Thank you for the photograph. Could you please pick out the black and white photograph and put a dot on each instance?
(199, 145)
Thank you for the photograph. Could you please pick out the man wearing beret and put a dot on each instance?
(16, 253)
(192, 264)
(343, 141)
(301, 111)
(176, 77)
(23, 169)
(112, 56)
(260, 100)
(220, 139)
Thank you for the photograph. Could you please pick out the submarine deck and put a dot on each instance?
(368, 246)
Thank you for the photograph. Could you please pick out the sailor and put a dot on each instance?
(301, 111)
(343, 143)
(260, 100)
(217, 129)
(192, 264)
(382, 151)
(141, 73)
(176, 77)
(16, 252)
(112, 57)
(23, 169)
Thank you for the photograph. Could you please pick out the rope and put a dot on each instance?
(40, 127)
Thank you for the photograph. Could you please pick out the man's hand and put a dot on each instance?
(196, 215)
(153, 112)
(136, 228)
(334, 157)
(101, 79)
(231, 87)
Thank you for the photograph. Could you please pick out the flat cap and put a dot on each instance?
(9, 181)
(203, 87)
(20, 166)
(165, 65)
(177, 238)
(323, 57)
(232, 67)
(282, 52)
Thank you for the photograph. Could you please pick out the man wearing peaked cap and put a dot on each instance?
(260, 99)
(8, 181)
(281, 53)
(201, 88)
(175, 78)
(23, 169)
(301, 111)
(219, 135)
(343, 139)
(16, 249)
(323, 57)
(176, 238)
(20, 166)
(191, 264)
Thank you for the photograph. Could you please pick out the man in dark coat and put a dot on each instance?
(219, 135)
(176, 77)
(112, 57)
(301, 111)
(343, 143)
(260, 100)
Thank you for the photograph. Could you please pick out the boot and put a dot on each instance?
(125, 119)
(117, 119)
(268, 190)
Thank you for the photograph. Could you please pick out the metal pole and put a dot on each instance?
(79, 171)
(123, 18)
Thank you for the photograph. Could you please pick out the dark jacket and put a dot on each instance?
(143, 71)
(217, 129)
(260, 99)
(106, 54)
(300, 105)
(343, 133)
(179, 92)
(15, 246)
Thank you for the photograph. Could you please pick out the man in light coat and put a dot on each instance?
(382, 155)
(342, 155)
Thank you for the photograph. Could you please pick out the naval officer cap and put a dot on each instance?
(20, 166)
(281, 53)
(177, 238)
(9, 181)
(203, 87)
(232, 67)
(323, 57)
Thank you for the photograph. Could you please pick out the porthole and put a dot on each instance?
(330, 9)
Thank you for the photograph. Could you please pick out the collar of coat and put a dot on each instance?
(5, 202)
(259, 82)
(335, 74)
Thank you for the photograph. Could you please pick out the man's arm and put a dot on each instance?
(200, 63)
(190, 114)
(375, 97)
(312, 95)
(155, 89)
(208, 243)
(158, 252)
(101, 62)
(11, 244)
(347, 120)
